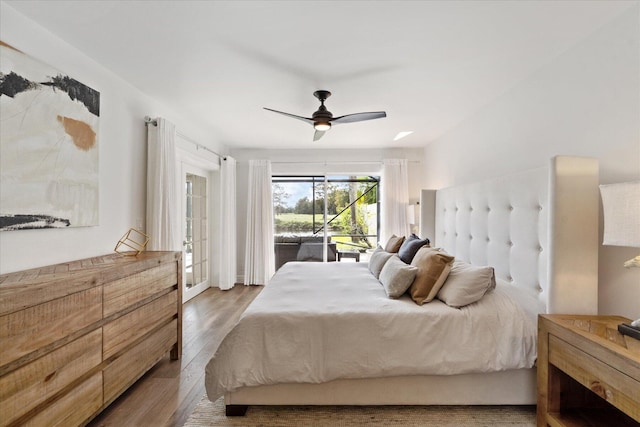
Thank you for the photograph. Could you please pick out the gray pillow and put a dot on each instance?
(378, 259)
(466, 284)
(396, 277)
(410, 246)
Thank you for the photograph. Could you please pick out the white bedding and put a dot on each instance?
(316, 322)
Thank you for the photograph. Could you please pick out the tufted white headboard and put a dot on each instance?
(538, 229)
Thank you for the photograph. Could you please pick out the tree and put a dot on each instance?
(279, 198)
(353, 196)
(303, 206)
(337, 199)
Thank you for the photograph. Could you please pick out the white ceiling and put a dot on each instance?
(428, 64)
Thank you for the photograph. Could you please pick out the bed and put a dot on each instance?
(326, 334)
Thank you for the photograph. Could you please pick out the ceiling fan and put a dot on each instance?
(322, 119)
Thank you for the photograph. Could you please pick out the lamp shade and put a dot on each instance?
(411, 214)
(621, 204)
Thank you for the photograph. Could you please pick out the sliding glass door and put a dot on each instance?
(322, 218)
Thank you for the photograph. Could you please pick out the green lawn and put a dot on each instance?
(299, 217)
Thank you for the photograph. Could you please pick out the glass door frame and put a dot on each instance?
(186, 169)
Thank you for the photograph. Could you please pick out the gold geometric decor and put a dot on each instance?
(132, 239)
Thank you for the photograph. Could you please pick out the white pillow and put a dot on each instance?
(466, 284)
(378, 259)
(396, 276)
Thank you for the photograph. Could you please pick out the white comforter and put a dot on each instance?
(316, 322)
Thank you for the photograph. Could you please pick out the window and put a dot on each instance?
(352, 214)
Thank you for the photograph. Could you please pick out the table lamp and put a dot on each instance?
(621, 204)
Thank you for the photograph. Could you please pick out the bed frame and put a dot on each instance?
(538, 229)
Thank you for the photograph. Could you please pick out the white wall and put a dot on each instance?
(585, 102)
(312, 161)
(122, 145)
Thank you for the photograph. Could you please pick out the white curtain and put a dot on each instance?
(228, 262)
(163, 206)
(259, 253)
(395, 198)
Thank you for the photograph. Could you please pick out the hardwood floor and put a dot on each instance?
(167, 394)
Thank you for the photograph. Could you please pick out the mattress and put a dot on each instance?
(317, 322)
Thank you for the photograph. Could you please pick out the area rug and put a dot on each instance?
(208, 413)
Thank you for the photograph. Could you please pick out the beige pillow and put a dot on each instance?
(466, 284)
(394, 243)
(378, 259)
(433, 268)
(396, 277)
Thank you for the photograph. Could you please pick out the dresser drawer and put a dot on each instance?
(36, 327)
(123, 293)
(73, 408)
(126, 369)
(27, 387)
(125, 330)
(610, 384)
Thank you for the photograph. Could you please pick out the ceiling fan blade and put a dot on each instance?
(318, 134)
(305, 119)
(359, 117)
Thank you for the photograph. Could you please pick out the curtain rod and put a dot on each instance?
(339, 162)
(149, 121)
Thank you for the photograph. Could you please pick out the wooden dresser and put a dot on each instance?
(588, 373)
(74, 336)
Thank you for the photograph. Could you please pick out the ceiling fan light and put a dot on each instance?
(322, 126)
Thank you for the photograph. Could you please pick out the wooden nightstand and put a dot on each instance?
(588, 373)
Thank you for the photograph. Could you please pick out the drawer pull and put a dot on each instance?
(601, 390)
(597, 388)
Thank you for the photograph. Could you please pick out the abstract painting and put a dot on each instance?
(48, 146)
